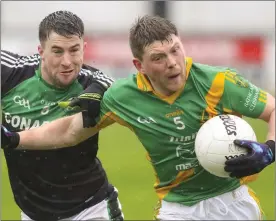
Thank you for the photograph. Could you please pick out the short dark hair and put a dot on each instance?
(64, 23)
(148, 29)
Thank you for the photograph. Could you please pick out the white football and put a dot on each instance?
(214, 142)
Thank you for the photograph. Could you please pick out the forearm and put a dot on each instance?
(64, 132)
(48, 136)
(271, 127)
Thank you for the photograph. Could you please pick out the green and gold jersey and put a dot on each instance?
(167, 126)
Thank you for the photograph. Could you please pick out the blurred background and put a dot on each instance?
(238, 34)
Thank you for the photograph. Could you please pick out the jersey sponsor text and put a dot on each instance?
(183, 139)
(22, 123)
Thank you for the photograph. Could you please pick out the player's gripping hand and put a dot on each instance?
(259, 156)
(85, 102)
(89, 102)
(9, 139)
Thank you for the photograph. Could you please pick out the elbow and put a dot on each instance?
(74, 134)
(269, 110)
(271, 114)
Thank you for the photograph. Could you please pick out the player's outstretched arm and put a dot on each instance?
(63, 132)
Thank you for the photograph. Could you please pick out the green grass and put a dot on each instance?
(125, 162)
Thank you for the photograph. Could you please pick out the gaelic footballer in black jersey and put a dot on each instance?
(49, 184)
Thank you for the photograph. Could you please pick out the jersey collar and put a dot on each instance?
(143, 84)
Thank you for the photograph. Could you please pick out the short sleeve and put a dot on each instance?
(242, 96)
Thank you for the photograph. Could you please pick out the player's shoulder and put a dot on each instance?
(89, 70)
(207, 73)
(16, 61)
(206, 70)
(89, 73)
(16, 69)
(122, 87)
(126, 83)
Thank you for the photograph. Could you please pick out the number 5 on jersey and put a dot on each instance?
(180, 124)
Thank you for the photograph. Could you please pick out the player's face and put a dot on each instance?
(164, 64)
(62, 59)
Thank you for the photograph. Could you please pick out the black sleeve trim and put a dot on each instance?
(16, 69)
(89, 74)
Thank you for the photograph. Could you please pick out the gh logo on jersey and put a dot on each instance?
(22, 101)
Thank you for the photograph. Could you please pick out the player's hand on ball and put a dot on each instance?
(259, 156)
(8, 139)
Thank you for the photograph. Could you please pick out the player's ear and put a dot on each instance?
(138, 64)
(84, 45)
(40, 51)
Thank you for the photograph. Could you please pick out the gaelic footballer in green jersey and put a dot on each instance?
(49, 184)
(168, 129)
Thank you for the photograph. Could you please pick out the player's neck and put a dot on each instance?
(162, 91)
(45, 77)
